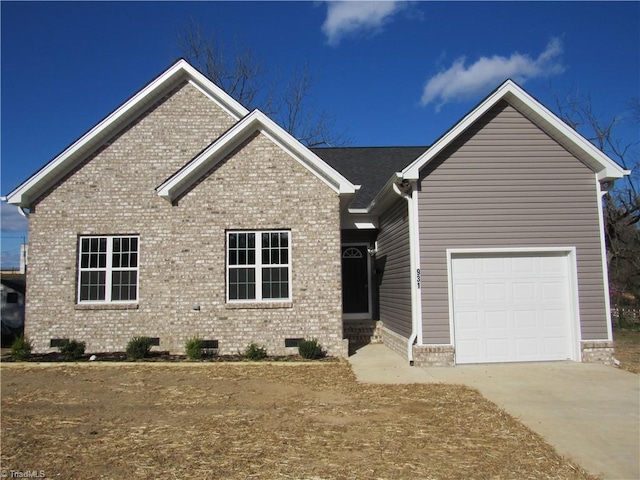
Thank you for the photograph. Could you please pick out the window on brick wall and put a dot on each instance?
(258, 265)
(108, 269)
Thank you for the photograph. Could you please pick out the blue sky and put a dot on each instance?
(390, 73)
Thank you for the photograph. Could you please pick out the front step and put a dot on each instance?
(361, 333)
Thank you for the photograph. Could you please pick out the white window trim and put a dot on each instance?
(258, 268)
(109, 269)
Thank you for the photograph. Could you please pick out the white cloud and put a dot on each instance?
(460, 81)
(11, 219)
(346, 18)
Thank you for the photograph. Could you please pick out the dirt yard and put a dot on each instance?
(256, 421)
(627, 349)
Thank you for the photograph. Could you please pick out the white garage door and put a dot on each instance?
(511, 308)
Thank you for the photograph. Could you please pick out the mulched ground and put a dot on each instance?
(258, 421)
(155, 356)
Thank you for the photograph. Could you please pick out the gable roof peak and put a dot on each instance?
(556, 128)
(180, 71)
(184, 178)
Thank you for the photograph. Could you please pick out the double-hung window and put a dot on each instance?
(259, 266)
(108, 269)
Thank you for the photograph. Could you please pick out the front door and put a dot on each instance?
(355, 280)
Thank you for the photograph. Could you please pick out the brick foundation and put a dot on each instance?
(597, 352)
(434, 355)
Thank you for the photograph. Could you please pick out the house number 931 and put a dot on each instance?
(418, 277)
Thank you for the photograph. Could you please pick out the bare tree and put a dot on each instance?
(622, 202)
(243, 75)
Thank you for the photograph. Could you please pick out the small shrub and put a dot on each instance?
(193, 347)
(72, 350)
(21, 348)
(255, 352)
(138, 347)
(310, 349)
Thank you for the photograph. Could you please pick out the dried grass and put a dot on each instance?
(262, 421)
(627, 349)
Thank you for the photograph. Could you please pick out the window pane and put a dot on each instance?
(284, 239)
(275, 283)
(102, 260)
(242, 284)
(92, 286)
(123, 285)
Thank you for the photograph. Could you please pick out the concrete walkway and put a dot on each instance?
(588, 412)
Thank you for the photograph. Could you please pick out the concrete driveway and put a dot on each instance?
(588, 412)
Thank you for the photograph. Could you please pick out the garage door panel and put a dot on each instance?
(527, 348)
(525, 319)
(495, 292)
(499, 347)
(468, 293)
(491, 266)
(520, 265)
(511, 308)
(524, 292)
(496, 320)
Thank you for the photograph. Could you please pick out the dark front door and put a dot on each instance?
(355, 279)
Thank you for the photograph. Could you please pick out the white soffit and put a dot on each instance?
(600, 163)
(47, 176)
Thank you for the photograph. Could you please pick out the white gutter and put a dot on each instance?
(414, 259)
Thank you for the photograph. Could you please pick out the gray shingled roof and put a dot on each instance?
(370, 167)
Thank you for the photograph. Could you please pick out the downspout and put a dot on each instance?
(415, 281)
(605, 263)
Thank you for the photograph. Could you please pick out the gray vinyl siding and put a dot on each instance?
(394, 267)
(506, 183)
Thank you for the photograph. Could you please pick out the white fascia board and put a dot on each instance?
(28, 191)
(255, 121)
(305, 156)
(606, 168)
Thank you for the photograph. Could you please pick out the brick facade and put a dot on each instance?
(182, 246)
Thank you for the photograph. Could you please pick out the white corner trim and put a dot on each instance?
(569, 252)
